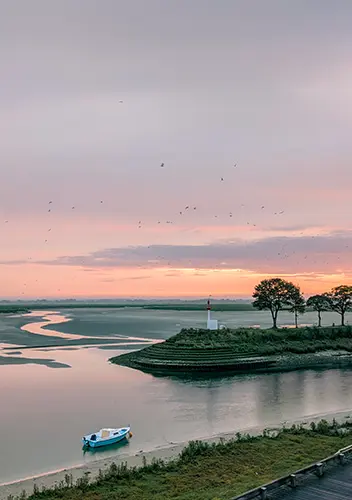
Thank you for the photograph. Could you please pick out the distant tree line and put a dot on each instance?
(276, 294)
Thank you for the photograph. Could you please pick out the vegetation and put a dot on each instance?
(340, 300)
(242, 349)
(206, 471)
(276, 294)
(171, 306)
(189, 306)
(13, 309)
(319, 303)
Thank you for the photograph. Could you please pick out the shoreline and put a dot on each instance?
(168, 452)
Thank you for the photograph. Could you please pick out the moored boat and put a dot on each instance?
(106, 436)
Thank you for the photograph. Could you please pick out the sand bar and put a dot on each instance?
(171, 451)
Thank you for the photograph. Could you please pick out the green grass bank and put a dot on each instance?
(245, 350)
(216, 471)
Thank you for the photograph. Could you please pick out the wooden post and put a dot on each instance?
(293, 481)
(263, 493)
(320, 469)
(341, 458)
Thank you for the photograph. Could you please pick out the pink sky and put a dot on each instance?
(281, 112)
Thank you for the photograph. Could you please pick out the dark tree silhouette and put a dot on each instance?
(340, 300)
(319, 303)
(297, 304)
(274, 295)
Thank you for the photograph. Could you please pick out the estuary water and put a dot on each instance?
(52, 396)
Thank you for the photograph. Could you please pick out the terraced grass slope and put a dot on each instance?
(236, 350)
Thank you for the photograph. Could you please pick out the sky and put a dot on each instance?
(248, 106)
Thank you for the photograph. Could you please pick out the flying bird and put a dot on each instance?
(162, 165)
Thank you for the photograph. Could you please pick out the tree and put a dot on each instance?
(340, 300)
(297, 304)
(319, 303)
(274, 295)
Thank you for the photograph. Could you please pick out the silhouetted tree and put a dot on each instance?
(340, 300)
(297, 304)
(319, 303)
(274, 295)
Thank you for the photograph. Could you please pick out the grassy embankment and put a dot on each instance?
(245, 349)
(211, 471)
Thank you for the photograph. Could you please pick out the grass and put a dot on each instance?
(206, 471)
(202, 349)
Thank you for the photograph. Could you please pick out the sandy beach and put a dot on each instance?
(166, 453)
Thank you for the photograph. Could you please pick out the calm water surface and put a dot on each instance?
(45, 411)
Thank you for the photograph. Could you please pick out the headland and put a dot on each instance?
(245, 350)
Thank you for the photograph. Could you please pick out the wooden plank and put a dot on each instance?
(336, 485)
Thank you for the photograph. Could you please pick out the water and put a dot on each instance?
(45, 410)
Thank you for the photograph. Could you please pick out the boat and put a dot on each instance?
(106, 436)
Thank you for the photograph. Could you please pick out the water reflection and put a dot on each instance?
(94, 394)
(44, 405)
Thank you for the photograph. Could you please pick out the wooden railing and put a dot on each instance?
(292, 479)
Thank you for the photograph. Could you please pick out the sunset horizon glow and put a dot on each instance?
(190, 167)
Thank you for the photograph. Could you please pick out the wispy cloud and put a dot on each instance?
(325, 253)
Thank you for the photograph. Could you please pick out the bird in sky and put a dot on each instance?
(162, 164)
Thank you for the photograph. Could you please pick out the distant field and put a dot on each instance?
(179, 306)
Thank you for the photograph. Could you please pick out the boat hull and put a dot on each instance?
(105, 442)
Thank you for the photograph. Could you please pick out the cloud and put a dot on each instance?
(327, 253)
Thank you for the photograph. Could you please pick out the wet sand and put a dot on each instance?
(165, 453)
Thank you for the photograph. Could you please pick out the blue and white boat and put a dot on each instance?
(106, 436)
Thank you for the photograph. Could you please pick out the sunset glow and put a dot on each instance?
(256, 180)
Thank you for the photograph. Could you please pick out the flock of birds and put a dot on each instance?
(282, 253)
